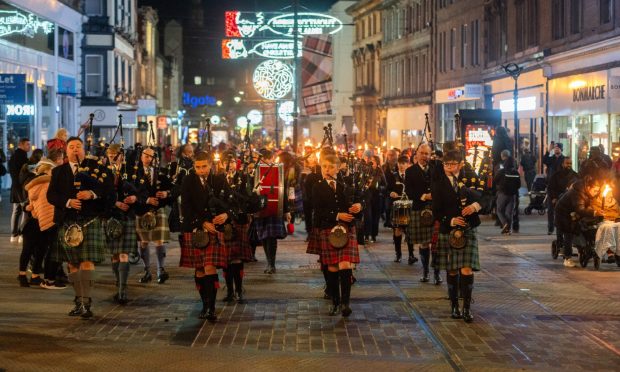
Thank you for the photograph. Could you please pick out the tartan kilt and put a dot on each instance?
(331, 255)
(92, 248)
(270, 227)
(160, 232)
(416, 233)
(454, 259)
(239, 246)
(128, 242)
(435, 237)
(314, 246)
(215, 254)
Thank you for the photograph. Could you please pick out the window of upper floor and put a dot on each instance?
(94, 7)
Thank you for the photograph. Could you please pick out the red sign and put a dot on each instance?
(162, 122)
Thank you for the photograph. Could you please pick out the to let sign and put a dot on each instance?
(12, 89)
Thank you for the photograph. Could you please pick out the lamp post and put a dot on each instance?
(514, 70)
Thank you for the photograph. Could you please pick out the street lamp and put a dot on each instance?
(514, 70)
(218, 103)
(237, 99)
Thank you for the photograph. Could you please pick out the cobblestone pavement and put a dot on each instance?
(531, 313)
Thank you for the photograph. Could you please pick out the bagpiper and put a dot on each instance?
(154, 193)
(456, 207)
(78, 191)
(395, 190)
(121, 222)
(201, 249)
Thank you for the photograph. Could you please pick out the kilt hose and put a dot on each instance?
(415, 232)
(92, 247)
(270, 227)
(128, 242)
(449, 258)
(331, 255)
(160, 232)
(215, 254)
(313, 242)
(238, 247)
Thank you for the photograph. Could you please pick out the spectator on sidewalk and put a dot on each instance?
(59, 141)
(3, 170)
(553, 160)
(508, 183)
(528, 164)
(17, 161)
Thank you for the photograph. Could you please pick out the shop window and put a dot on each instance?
(94, 75)
(607, 11)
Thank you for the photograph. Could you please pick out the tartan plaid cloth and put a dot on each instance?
(313, 242)
(435, 237)
(270, 227)
(454, 259)
(239, 246)
(416, 233)
(128, 242)
(92, 248)
(160, 232)
(215, 254)
(331, 255)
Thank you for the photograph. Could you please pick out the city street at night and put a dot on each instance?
(531, 313)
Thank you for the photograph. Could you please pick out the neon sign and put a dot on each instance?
(273, 79)
(14, 22)
(189, 100)
(19, 110)
(249, 24)
(274, 49)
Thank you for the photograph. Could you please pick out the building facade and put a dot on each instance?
(44, 63)
(109, 73)
(367, 21)
(406, 70)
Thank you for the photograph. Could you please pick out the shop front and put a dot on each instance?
(584, 111)
(405, 126)
(531, 110)
(105, 123)
(448, 102)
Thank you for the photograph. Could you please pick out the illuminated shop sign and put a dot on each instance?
(189, 100)
(589, 93)
(523, 104)
(27, 24)
(455, 93)
(275, 49)
(19, 110)
(251, 24)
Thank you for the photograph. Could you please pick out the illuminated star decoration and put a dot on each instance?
(273, 79)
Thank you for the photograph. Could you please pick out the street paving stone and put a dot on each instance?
(530, 314)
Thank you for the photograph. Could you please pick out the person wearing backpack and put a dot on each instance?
(508, 183)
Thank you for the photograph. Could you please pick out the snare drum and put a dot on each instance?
(401, 210)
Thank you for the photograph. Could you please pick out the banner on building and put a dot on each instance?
(317, 67)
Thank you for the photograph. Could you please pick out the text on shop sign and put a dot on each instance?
(589, 93)
(19, 110)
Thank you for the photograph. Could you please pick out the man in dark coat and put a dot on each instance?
(19, 158)
(553, 162)
(561, 180)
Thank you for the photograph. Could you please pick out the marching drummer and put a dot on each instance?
(456, 207)
(331, 210)
(420, 229)
(396, 190)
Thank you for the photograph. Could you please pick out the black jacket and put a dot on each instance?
(64, 186)
(507, 181)
(147, 188)
(447, 203)
(327, 204)
(17, 161)
(197, 205)
(417, 182)
(577, 200)
(553, 163)
(396, 183)
(560, 181)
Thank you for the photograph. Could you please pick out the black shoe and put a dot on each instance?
(77, 309)
(240, 298)
(437, 279)
(162, 277)
(122, 299)
(549, 232)
(425, 278)
(398, 258)
(23, 281)
(36, 281)
(346, 310)
(211, 317)
(456, 313)
(412, 260)
(229, 299)
(203, 314)
(468, 317)
(146, 277)
(86, 313)
(326, 295)
(254, 259)
(116, 298)
(334, 310)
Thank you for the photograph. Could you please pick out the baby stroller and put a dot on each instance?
(584, 240)
(538, 194)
